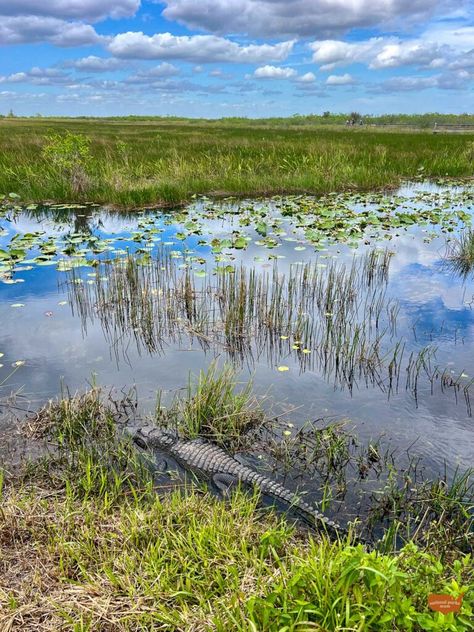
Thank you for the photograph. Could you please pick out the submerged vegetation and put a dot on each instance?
(88, 544)
(163, 162)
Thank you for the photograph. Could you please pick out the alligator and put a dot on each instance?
(210, 462)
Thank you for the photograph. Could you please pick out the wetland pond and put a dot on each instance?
(348, 307)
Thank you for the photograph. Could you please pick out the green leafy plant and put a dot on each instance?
(69, 154)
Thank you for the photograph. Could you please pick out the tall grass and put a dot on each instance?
(165, 162)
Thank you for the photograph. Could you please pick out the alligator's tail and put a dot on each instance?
(319, 523)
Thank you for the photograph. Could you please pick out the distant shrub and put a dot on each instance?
(69, 153)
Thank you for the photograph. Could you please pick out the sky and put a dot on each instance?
(215, 58)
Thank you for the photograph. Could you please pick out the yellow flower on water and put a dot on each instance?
(306, 351)
(283, 368)
(287, 433)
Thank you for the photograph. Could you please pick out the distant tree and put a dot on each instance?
(326, 114)
(355, 116)
(11, 114)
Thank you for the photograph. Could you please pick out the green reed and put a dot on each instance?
(331, 315)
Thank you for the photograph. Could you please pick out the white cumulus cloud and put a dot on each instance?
(340, 80)
(275, 18)
(381, 52)
(332, 53)
(195, 48)
(31, 29)
(92, 63)
(308, 77)
(86, 10)
(273, 72)
(38, 76)
(416, 53)
(58, 22)
(151, 74)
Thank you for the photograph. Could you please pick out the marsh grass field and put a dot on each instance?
(165, 162)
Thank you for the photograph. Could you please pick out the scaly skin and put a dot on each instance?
(208, 460)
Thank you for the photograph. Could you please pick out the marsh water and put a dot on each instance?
(67, 319)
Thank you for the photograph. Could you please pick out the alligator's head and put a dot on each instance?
(152, 437)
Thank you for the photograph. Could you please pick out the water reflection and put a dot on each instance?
(72, 333)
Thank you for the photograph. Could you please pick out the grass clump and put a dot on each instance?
(215, 407)
(436, 514)
(461, 253)
(83, 442)
(78, 561)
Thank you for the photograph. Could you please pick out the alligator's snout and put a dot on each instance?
(149, 437)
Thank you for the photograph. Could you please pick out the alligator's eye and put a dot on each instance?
(141, 443)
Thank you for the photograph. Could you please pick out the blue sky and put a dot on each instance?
(216, 58)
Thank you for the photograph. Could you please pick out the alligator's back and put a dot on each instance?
(209, 461)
